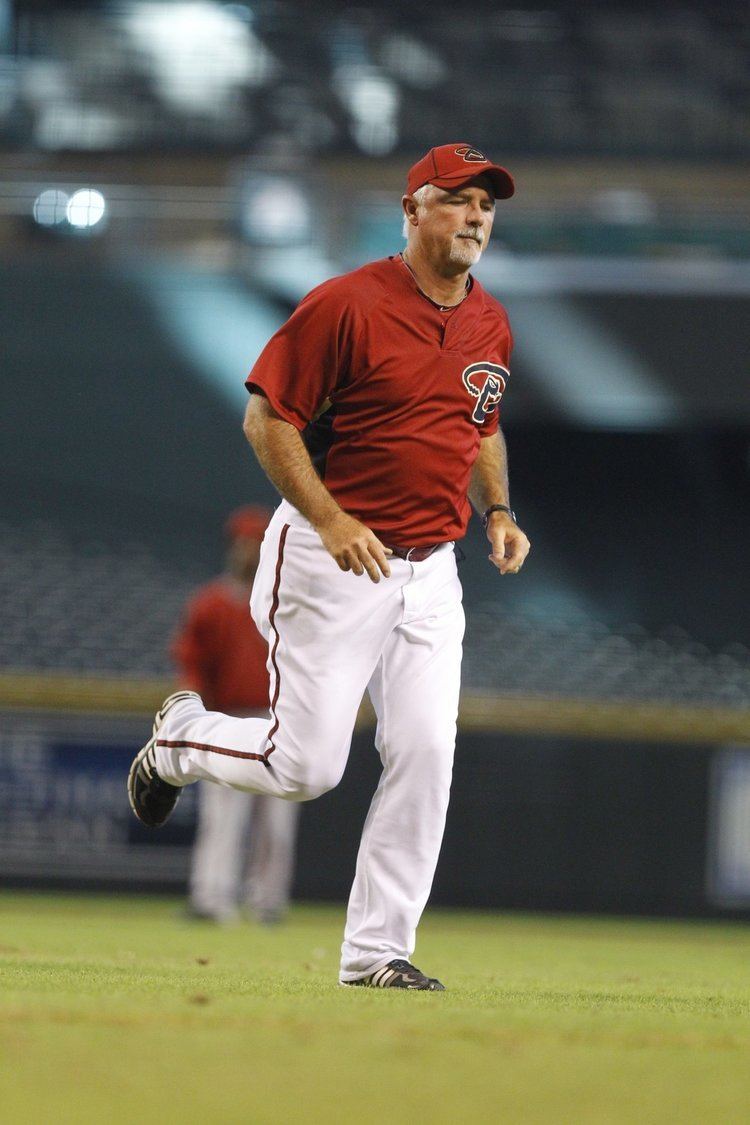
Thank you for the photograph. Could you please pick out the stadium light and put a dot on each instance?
(86, 208)
(51, 208)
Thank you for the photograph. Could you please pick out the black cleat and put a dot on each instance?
(399, 974)
(152, 799)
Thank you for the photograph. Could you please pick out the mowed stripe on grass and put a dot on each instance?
(113, 1009)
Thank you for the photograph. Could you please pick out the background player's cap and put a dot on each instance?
(249, 522)
(448, 166)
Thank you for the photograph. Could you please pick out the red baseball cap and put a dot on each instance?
(449, 166)
(249, 522)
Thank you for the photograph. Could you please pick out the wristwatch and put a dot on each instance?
(498, 508)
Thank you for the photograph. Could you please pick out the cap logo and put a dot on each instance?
(471, 155)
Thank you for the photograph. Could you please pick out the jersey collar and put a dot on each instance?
(440, 308)
(408, 277)
(467, 311)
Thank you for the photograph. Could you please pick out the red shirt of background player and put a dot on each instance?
(392, 396)
(219, 651)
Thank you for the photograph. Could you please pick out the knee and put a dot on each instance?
(311, 782)
(320, 781)
(429, 757)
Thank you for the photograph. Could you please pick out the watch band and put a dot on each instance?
(498, 508)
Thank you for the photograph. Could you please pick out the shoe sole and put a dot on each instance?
(131, 777)
(159, 717)
(376, 988)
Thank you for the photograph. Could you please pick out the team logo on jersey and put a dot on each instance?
(486, 383)
(471, 155)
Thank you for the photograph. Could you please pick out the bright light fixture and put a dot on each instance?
(85, 208)
(51, 207)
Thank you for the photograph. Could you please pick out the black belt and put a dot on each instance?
(413, 554)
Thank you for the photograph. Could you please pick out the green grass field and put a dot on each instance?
(113, 1010)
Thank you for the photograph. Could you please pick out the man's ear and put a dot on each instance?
(410, 207)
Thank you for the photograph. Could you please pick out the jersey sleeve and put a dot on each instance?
(304, 361)
(492, 422)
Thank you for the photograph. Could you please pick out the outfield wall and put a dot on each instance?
(557, 805)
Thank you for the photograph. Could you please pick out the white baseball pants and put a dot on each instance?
(270, 867)
(332, 635)
(243, 853)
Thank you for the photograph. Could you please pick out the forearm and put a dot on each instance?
(285, 460)
(489, 477)
(489, 485)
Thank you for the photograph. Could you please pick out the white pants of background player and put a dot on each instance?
(332, 635)
(243, 854)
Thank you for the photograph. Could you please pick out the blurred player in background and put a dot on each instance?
(220, 654)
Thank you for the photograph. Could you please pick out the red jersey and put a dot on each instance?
(219, 651)
(392, 396)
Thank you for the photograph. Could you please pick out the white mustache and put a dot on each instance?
(471, 234)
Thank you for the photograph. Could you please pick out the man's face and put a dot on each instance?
(453, 227)
(243, 557)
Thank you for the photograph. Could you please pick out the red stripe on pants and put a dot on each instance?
(272, 622)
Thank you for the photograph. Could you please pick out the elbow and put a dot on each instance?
(253, 417)
(260, 418)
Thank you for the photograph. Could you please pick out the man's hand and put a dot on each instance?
(509, 544)
(354, 546)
